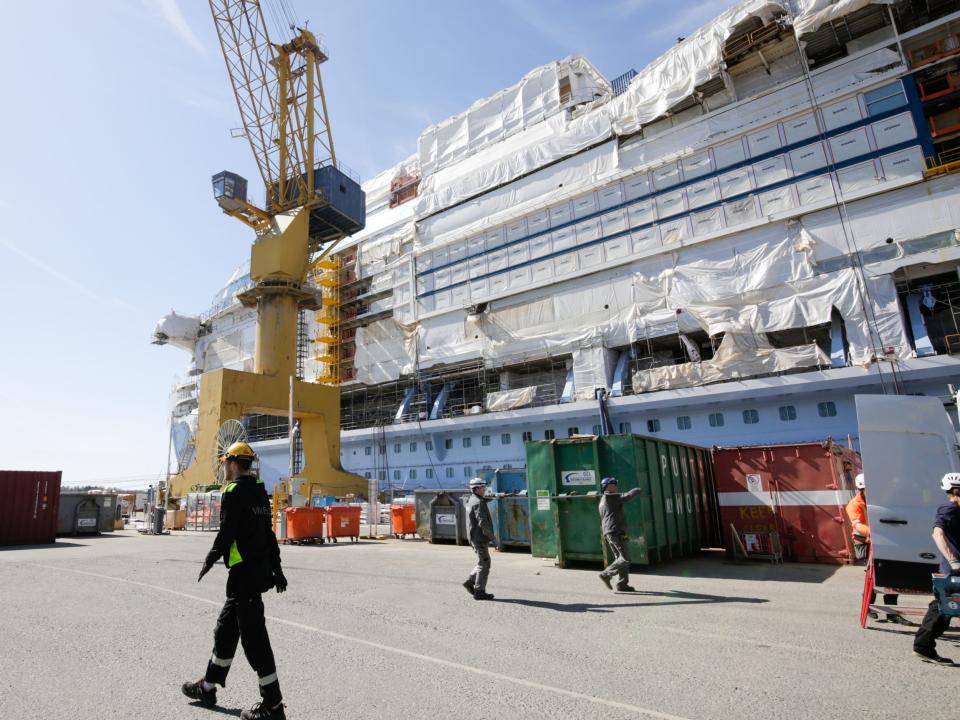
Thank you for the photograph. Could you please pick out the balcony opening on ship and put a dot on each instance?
(931, 303)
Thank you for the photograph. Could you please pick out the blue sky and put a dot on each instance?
(117, 112)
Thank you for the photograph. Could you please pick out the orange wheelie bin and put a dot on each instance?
(343, 521)
(305, 525)
(403, 520)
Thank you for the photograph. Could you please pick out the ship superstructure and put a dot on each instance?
(727, 245)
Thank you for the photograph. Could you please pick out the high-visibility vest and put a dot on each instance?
(857, 512)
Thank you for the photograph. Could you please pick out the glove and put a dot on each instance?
(279, 581)
(955, 567)
(205, 569)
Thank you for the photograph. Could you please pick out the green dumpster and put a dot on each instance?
(666, 521)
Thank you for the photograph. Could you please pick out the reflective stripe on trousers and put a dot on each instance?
(221, 662)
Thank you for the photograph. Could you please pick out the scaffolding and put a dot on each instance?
(325, 274)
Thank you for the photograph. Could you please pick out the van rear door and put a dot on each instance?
(907, 444)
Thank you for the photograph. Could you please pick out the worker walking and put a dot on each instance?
(946, 536)
(480, 532)
(613, 525)
(249, 549)
(857, 512)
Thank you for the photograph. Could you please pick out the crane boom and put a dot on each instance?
(277, 89)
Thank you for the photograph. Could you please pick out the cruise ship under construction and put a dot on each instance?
(724, 248)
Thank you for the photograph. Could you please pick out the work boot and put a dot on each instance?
(468, 585)
(481, 595)
(262, 711)
(195, 691)
(606, 581)
(623, 587)
(931, 656)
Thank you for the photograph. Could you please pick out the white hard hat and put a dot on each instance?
(858, 482)
(477, 482)
(950, 481)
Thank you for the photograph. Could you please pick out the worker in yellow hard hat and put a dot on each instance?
(249, 549)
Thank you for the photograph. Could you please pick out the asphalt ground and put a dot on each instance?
(109, 627)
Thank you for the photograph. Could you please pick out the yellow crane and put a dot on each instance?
(310, 205)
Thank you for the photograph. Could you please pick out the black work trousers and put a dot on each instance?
(933, 626)
(241, 620)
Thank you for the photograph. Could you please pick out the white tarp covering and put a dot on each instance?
(674, 75)
(814, 13)
(521, 154)
(870, 221)
(179, 330)
(546, 186)
(381, 352)
(510, 399)
(781, 102)
(491, 120)
(592, 369)
(740, 355)
(377, 188)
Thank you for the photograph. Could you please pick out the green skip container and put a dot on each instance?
(676, 515)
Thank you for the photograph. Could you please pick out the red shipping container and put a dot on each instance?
(800, 491)
(29, 502)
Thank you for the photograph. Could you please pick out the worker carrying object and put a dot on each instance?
(249, 549)
(857, 512)
(480, 532)
(613, 524)
(946, 535)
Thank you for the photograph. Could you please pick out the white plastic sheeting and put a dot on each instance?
(740, 355)
(814, 13)
(493, 174)
(674, 75)
(761, 281)
(510, 399)
(544, 143)
(381, 352)
(870, 221)
(230, 343)
(592, 370)
(377, 188)
(179, 330)
(491, 120)
(546, 186)
(792, 98)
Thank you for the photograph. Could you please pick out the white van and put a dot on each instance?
(907, 444)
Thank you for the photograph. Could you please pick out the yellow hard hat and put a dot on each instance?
(238, 450)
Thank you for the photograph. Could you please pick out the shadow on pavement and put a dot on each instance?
(715, 564)
(674, 597)
(234, 712)
(60, 543)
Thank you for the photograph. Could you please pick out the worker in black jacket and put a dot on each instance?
(249, 549)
